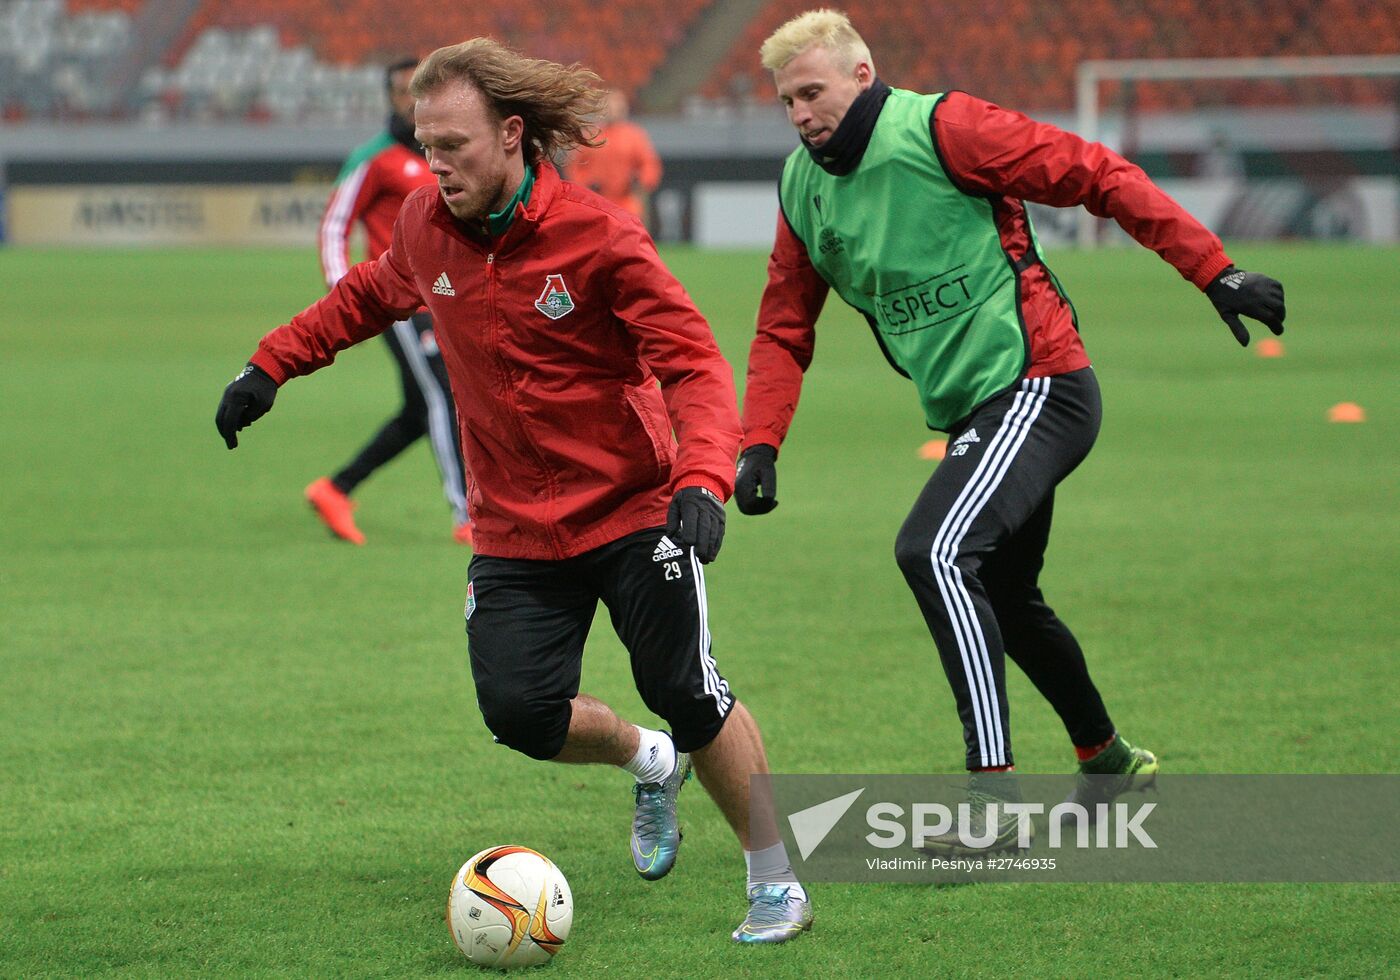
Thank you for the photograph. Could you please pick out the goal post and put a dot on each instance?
(1092, 73)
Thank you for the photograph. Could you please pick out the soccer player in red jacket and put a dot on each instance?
(573, 354)
(911, 207)
(371, 188)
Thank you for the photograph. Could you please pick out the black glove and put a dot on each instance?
(696, 519)
(758, 470)
(1236, 291)
(247, 398)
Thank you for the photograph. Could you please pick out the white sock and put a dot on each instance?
(655, 758)
(771, 866)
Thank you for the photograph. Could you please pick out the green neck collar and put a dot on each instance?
(497, 223)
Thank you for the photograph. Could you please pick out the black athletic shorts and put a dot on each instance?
(527, 622)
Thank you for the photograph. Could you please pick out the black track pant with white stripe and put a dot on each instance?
(427, 410)
(972, 549)
(527, 622)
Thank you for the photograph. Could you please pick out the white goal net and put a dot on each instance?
(1270, 148)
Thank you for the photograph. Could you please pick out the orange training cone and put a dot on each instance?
(1269, 347)
(934, 449)
(1346, 412)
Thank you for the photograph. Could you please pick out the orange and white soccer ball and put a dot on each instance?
(509, 906)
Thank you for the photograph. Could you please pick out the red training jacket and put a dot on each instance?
(554, 335)
(1007, 158)
(371, 188)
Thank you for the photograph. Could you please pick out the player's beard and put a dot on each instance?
(401, 129)
(476, 203)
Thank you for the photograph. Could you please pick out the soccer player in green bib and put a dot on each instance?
(911, 207)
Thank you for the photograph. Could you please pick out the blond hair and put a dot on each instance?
(826, 28)
(559, 104)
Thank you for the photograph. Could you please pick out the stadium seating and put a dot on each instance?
(128, 7)
(53, 64)
(219, 43)
(1024, 53)
(299, 61)
(252, 74)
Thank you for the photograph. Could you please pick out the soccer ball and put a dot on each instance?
(509, 906)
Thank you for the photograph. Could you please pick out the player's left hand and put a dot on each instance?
(696, 520)
(1236, 292)
(247, 398)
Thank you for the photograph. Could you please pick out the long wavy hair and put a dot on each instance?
(560, 104)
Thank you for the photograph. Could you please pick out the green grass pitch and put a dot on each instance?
(234, 746)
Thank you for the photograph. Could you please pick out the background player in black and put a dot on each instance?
(370, 190)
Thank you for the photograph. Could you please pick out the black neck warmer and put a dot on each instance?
(402, 132)
(842, 152)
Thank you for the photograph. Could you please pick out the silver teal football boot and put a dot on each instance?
(656, 836)
(775, 915)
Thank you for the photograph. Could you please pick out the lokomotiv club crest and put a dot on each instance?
(554, 300)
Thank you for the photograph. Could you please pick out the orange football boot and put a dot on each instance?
(335, 509)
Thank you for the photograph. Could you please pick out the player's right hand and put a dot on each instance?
(758, 473)
(247, 398)
(696, 520)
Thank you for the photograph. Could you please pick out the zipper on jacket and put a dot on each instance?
(525, 441)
